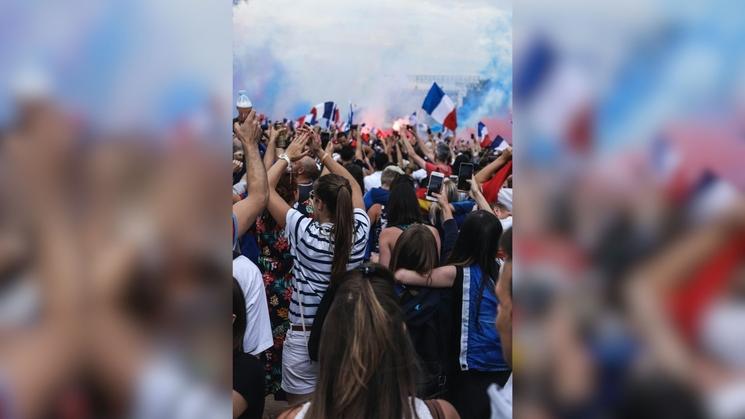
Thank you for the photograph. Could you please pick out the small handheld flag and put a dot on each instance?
(482, 131)
(323, 111)
(350, 118)
(499, 143)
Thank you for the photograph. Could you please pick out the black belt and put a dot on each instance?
(299, 327)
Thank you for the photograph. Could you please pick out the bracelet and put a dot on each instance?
(324, 157)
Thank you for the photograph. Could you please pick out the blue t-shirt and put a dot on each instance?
(462, 209)
(376, 196)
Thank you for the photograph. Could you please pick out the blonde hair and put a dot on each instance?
(435, 211)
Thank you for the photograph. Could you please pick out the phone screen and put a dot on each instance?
(435, 183)
(325, 137)
(464, 175)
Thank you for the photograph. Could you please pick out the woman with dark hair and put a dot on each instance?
(426, 310)
(416, 249)
(403, 211)
(248, 373)
(367, 365)
(330, 243)
(472, 272)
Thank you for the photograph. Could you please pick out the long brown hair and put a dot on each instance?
(415, 249)
(336, 193)
(367, 363)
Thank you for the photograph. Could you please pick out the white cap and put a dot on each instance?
(393, 168)
(505, 198)
(243, 100)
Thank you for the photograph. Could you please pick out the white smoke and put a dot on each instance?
(345, 51)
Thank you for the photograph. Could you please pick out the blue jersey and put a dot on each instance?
(480, 348)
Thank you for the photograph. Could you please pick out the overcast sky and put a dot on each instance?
(290, 54)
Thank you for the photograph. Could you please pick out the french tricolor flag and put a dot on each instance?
(482, 131)
(335, 120)
(440, 107)
(499, 143)
(322, 111)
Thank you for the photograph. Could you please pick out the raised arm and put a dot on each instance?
(246, 210)
(334, 167)
(330, 151)
(477, 196)
(427, 152)
(442, 277)
(277, 206)
(413, 156)
(271, 148)
(487, 172)
(449, 227)
(650, 285)
(399, 156)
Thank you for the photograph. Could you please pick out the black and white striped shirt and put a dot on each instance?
(312, 248)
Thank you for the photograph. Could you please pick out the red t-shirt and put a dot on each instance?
(442, 168)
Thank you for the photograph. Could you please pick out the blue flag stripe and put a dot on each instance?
(434, 97)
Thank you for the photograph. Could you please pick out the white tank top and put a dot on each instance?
(421, 409)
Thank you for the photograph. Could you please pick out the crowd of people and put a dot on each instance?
(360, 289)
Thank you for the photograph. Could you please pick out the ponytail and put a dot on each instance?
(343, 226)
(336, 192)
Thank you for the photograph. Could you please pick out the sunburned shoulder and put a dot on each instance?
(448, 409)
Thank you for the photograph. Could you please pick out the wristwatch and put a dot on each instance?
(284, 157)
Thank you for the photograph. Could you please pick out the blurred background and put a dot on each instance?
(114, 240)
(629, 139)
(629, 143)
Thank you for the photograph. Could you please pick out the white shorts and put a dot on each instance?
(299, 374)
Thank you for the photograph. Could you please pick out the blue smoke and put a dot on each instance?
(493, 96)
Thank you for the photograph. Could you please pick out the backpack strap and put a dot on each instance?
(435, 409)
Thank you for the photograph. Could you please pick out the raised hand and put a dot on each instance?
(249, 132)
(237, 166)
(296, 150)
(276, 132)
(315, 144)
(442, 199)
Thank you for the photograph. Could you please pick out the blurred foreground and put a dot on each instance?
(630, 267)
(114, 250)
